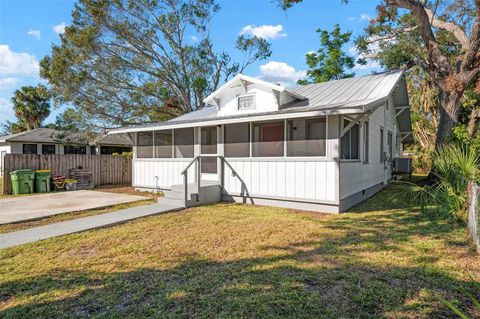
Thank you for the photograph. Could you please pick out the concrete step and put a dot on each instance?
(192, 187)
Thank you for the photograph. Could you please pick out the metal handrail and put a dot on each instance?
(198, 161)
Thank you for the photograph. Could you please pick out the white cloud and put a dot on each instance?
(13, 63)
(310, 52)
(352, 18)
(34, 33)
(59, 29)
(194, 39)
(7, 82)
(280, 72)
(365, 17)
(266, 32)
(6, 109)
(371, 64)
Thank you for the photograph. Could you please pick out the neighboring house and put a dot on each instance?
(47, 141)
(322, 147)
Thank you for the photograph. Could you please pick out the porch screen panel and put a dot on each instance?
(268, 139)
(183, 140)
(306, 137)
(163, 144)
(237, 137)
(145, 145)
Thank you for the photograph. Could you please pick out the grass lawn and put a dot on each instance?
(232, 261)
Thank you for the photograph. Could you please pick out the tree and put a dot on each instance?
(330, 62)
(122, 62)
(440, 37)
(32, 106)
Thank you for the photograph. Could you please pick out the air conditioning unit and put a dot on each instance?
(402, 165)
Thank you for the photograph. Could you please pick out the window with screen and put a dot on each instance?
(366, 138)
(183, 140)
(246, 102)
(306, 137)
(48, 149)
(74, 149)
(236, 141)
(29, 148)
(382, 147)
(390, 145)
(268, 139)
(163, 144)
(350, 142)
(144, 144)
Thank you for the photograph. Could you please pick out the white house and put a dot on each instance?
(322, 147)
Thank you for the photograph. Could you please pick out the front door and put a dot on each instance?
(209, 150)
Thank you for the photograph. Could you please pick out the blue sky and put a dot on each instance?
(28, 28)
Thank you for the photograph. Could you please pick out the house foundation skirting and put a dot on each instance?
(358, 197)
(275, 202)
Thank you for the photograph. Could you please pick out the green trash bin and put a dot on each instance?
(22, 181)
(42, 181)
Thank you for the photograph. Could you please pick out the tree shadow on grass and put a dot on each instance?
(309, 279)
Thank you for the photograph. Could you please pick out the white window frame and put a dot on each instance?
(250, 107)
(359, 159)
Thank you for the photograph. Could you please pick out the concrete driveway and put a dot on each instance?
(15, 209)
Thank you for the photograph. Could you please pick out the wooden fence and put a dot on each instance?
(106, 169)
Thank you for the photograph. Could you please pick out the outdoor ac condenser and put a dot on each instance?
(402, 165)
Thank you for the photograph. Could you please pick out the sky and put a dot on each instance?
(29, 28)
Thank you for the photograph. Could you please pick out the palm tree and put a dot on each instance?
(31, 105)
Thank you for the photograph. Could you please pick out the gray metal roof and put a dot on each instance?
(349, 91)
(337, 95)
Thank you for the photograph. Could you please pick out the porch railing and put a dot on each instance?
(198, 174)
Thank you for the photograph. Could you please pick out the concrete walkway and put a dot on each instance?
(22, 208)
(164, 205)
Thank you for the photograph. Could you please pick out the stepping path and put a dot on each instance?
(164, 205)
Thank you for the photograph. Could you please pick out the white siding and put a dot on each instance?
(300, 179)
(265, 100)
(168, 172)
(356, 176)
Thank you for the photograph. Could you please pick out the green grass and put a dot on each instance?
(236, 261)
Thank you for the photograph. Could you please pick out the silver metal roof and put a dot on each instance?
(354, 95)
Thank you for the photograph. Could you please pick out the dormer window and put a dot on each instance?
(246, 102)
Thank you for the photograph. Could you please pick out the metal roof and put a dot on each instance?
(345, 96)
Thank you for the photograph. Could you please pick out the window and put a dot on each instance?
(183, 140)
(237, 138)
(268, 139)
(390, 145)
(163, 144)
(144, 144)
(306, 137)
(29, 148)
(246, 102)
(382, 147)
(93, 150)
(365, 142)
(72, 149)
(350, 142)
(48, 149)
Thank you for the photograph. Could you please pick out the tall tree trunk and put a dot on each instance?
(474, 122)
(449, 114)
(472, 208)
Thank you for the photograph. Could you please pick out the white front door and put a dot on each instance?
(209, 150)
